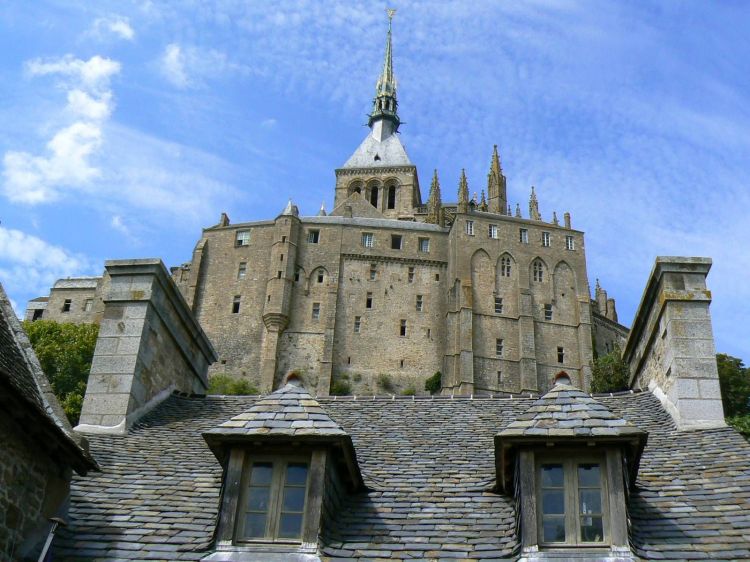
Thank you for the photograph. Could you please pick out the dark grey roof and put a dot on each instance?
(77, 283)
(25, 389)
(429, 469)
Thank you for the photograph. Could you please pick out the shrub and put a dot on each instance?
(734, 380)
(222, 383)
(609, 373)
(384, 381)
(434, 383)
(741, 424)
(409, 391)
(341, 387)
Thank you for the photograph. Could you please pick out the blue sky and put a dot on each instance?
(127, 126)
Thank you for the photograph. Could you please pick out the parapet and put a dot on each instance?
(671, 349)
(149, 345)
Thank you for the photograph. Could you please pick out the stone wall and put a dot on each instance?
(608, 334)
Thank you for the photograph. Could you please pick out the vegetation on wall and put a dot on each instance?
(341, 385)
(734, 380)
(227, 385)
(65, 352)
(385, 383)
(609, 373)
(433, 383)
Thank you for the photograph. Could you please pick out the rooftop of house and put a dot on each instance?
(429, 473)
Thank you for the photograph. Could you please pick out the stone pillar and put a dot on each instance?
(527, 342)
(149, 345)
(670, 349)
(585, 348)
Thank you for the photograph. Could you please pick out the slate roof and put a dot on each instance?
(429, 470)
(390, 152)
(77, 283)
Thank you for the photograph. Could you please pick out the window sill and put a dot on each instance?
(264, 552)
(579, 554)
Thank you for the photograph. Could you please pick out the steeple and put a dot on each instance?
(496, 189)
(384, 119)
(434, 203)
(534, 206)
(463, 193)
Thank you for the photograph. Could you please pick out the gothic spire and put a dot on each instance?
(463, 193)
(434, 203)
(496, 189)
(384, 120)
(483, 202)
(534, 206)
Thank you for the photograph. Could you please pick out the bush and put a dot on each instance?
(222, 383)
(734, 380)
(340, 386)
(609, 373)
(741, 424)
(384, 381)
(409, 391)
(434, 383)
(65, 351)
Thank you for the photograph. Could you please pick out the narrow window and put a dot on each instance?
(242, 270)
(396, 241)
(499, 378)
(316, 311)
(368, 301)
(545, 239)
(424, 245)
(320, 276)
(373, 272)
(561, 355)
(538, 271)
(570, 243)
(313, 236)
(505, 266)
(357, 324)
(437, 277)
(392, 197)
(402, 330)
(283, 239)
(411, 275)
(278, 275)
(242, 238)
(281, 257)
(499, 347)
(374, 196)
(236, 303)
(296, 276)
(367, 239)
(419, 303)
(470, 228)
(66, 305)
(88, 305)
(401, 364)
(498, 305)
(429, 333)
(548, 312)
(492, 231)
(523, 236)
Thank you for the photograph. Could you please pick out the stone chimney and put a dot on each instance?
(670, 349)
(149, 345)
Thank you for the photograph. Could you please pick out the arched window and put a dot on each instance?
(374, 196)
(538, 271)
(392, 197)
(505, 266)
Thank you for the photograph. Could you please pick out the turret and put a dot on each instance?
(534, 213)
(496, 186)
(463, 193)
(434, 203)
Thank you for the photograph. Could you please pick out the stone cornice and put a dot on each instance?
(380, 258)
(374, 170)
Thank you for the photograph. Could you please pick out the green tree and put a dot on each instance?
(734, 380)
(609, 373)
(65, 352)
(433, 384)
(227, 385)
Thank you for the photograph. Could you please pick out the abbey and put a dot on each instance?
(386, 284)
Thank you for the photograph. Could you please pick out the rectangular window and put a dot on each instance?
(316, 311)
(419, 303)
(373, 272)
(498, 305)
(548, 312)
(570, 243)
(424, 245)
(236, 304)
(296, 276)
(561, 355)
(321, 276)
(313, 236)
(523, 236)
(357, 324)
(493, 231)
(411, 275)
(242, 270)
(368, 301)
(402, 330)
(367, 239)
(88, 305)
(470, 228)
(396, 241)
(499, 347)
(545, 239)
(272, 502)
(437, 277)
(242, 238)
(278, 274)
(66, 305)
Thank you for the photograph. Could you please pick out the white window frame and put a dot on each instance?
(546, 239)
(242, 238)
(316, 311)
(499, 347)
(424, 245)
(570, 242)
(492, 232)
(368, 240)
(420, 303)
(242, 270)
(313, 236)
(470, 228)
(523, 235)
(498, 305)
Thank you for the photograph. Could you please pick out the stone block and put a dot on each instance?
(710, 388)
(113, 364)
(694, 412)
(685, 388)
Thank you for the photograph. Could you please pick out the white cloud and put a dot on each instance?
(269, 123)
(32, 179)
(117, 26)
(188, 66)
(173, 66)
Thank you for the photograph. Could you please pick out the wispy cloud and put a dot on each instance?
(113, 26)
(187, 66)
(173, 66)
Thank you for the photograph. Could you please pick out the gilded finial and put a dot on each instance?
(391, 12)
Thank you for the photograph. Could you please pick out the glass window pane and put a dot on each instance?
(553, 502)
(290, 525)
(590, 501)
(261, 473)
(553, 529)
(592, 529)
(589, 475)
(255, 525)
(552, 476)
(258, 499)
(296, 474)
(294, 499)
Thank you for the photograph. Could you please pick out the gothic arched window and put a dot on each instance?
(505, 266)
(374, 196)
(538, 271)
(392, 197)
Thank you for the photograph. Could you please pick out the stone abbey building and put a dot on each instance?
(388, 284)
